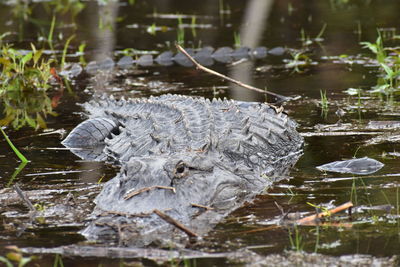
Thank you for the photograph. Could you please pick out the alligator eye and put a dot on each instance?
(180, 170)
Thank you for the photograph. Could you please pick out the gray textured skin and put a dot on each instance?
(217, 154)
(206, 56)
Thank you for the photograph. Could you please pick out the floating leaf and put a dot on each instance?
(352, 91)
(363, 165)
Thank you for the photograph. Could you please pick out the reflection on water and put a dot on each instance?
(110, 27)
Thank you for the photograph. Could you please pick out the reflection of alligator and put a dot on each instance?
(206, 56)
(195, 160)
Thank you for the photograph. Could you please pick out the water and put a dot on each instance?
(110, 28)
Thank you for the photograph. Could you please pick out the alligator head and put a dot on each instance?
(195, 189)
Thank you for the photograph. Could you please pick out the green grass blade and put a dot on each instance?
(16, 151)
(65, 50)
(51, 32)
(21, 166)
(6, 261)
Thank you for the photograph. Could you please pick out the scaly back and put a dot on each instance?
(252, 133)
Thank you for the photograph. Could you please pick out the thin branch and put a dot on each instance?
(175, 223)
(312, 218)
(145, 189)
(201, 67)
(201, 206)
(24, 197)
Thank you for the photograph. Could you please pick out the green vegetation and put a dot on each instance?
(180, 32)
(296, 240)
(300, 60)
(237, 40)
(16, 151)
(307, 40)
(24, 80)
(389, 67)
(193, 25)
(15, 255)
(58, 262)
(324, 103)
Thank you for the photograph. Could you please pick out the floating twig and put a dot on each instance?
(145, 189)
(175, 223)
(24, 197)
(201, 67)
(201, 206)
(330, 224)
(310, 219)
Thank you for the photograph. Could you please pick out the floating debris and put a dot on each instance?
(363, 165)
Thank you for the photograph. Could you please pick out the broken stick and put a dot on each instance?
(24, 197)
(312, 218)
(145, 189)
(201, 67)
(175, 223)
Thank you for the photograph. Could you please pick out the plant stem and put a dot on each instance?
(16, 151)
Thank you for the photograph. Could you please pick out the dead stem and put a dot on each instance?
(201, 67)
(24, 197)
(175, 223)
(145, 189)
(312, 218)
(201, 206)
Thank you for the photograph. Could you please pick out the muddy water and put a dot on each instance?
(110, 28)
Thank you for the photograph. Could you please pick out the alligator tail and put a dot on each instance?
(91, 133)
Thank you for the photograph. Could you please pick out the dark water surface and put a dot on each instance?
(111, 27)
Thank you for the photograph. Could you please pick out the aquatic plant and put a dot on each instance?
(389, 67)
(24, 80)
(58, 261)
(64, 6)
(237, 40)
(180, 32)
(15, 255)
(307, 40)
(296, 240)
(193, 26)
(377, 48)
(16, 151)
(300, 59)
(324, 103)
(65, 50)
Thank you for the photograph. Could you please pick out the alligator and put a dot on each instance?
(206, 56)
(192, 159)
